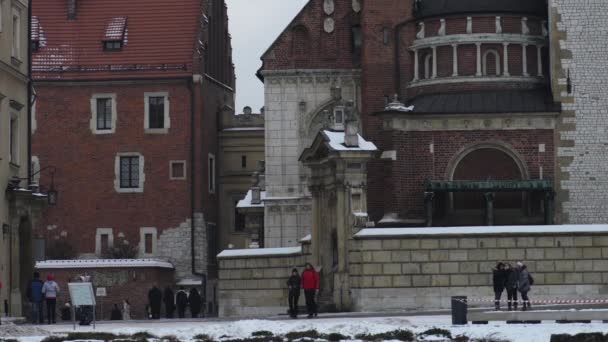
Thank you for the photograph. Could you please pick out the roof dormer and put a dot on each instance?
(115, 34)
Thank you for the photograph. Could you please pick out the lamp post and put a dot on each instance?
(52, 193)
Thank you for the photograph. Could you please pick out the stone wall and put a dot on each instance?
(389, 274)
(174, 244)
(579, 51)
(256, 285)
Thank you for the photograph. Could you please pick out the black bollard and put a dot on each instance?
(459, 310)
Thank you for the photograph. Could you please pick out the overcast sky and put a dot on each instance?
(254, 25)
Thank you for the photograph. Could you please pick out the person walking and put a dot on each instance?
(499, 280)
(195, 302)
(293, 284)
(310, 284)
(169, 299)
(524, 283)
(126, 310)
(155, 297)
(512, 276)
(50, 289)
(34, 295)
(181, 299)
(115, 314)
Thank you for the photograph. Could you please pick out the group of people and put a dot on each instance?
(179, 301)
(513, 279)
(38, 293)
(309, 282)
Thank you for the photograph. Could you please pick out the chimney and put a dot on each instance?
(72, 9)
(351, 134)
(256, 195)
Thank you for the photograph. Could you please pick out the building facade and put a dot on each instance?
(241, 141)
(126, 115)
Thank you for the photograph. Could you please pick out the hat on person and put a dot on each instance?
(50, 277)
(520, 264)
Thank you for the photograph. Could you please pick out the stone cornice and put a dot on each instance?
(469, 122)
(9, 69)
(310, 72)
(474, 79)
(483, 38)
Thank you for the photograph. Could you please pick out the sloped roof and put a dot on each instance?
(159, 39)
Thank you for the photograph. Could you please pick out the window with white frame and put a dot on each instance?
(35, 170)
(104, 241)
(339, 118)
(147, 241)
(16, 48)
(211, 173)
(103, 109)
(129, 169)
(157, 118)
(177, 169)
(13, 156)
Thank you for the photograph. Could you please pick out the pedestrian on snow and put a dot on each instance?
(181, 299)
(115, 315)
(525, 283)
(293, 284)
(169, 300)
(310, 284)
(155, 297)
(499, 280)
(34, 295)
(195, 302)
(50, 289)
(126, 310)
(511, 286)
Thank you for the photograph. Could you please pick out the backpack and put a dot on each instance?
(530, 279)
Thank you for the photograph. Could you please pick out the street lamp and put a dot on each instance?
(52, 193)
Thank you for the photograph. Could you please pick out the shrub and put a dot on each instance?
(8, 340)
(61, 250)
(93, 336)
(401, 335)
(437, 332)
(142, 336)
(202, 338)
(296, 335)
(490, 338)
(461, 338)
(583, 337)
(169, 338)
(334, 337)
(262, 333)
(53, 339)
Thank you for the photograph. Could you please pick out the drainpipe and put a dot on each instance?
(29, 93)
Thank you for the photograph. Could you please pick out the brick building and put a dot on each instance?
(127, 99)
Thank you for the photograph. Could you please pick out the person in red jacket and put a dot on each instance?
(310, 284)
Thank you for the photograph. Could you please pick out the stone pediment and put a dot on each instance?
(328, 142)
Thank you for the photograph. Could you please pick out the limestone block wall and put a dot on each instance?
(389, 274)
(252, 285)
(174, 244)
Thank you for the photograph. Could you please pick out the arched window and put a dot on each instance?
(428, 66)
(300, 41)
(491, 63)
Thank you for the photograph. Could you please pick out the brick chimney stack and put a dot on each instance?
(72, 9)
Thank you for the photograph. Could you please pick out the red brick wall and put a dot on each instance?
(85, 162)
(120, 283)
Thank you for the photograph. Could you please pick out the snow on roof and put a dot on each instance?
(190, 281)
(103, 263)
(115, 30)
(307, 238)
(255, 252)
(246, 202)
(336, 142)
(481, 230)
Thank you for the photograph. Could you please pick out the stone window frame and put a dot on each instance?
(35, 169)
(14, 148)
(16, 48)
(173, 162)
(142, 175)
(93, 123)
(143, 231)
(211, 173)
(167, 114)
(484, 60)
(98, 233)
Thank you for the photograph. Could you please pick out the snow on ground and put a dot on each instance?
(347, 326)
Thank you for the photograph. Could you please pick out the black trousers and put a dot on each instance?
(294, 297)
(181, 311)
(525, 299)
(51, 303)
(512, 296)
(311, 305)
(155, 307)
(497, 295)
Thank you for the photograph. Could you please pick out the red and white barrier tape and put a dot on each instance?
(546, 301)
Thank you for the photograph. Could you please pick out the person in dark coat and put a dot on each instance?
(169, 300)
(195, 302)
(155, 297)
(293, 284)
(524, 285)
(511, 286)
(310, 284)
(499, 280)
(34, 295)
(181, 299)
(115, 315)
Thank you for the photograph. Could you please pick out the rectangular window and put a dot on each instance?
(104, 243)
(148, 245)
(129, 172)
(157, 111)
(178, 170)
(244, 162)
(104, 114)
(14, 140)
(239, 219)
(211, 180)
(112, 46)
(16, 33)
(212, 238)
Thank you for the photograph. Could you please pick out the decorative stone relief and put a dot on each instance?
(328, 7)
(442, 29)
(498, 25)
(524, 26)
(420, 33)
(357, 6)
(329, 25)
(469, 25)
